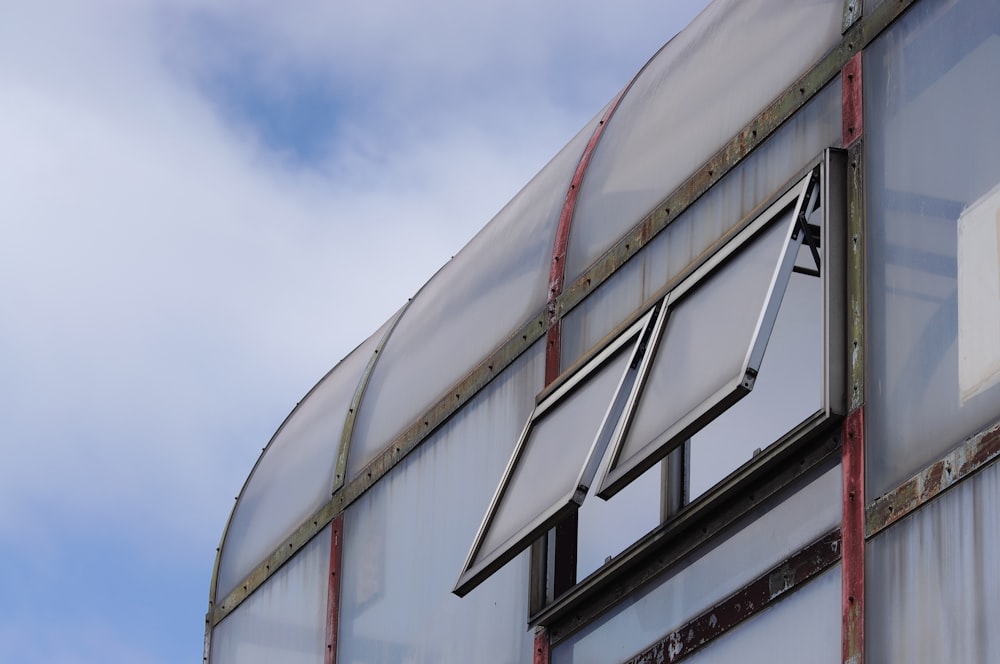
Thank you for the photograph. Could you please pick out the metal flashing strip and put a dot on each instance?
(966, 460)
(752, 135)
(340, 473)
(852, 525)
(771, 586)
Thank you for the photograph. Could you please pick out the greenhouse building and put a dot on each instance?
(720, 384)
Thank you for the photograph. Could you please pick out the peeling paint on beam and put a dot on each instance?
(333, 589)
(753, 598)
(855, 275)
(853, 535)
(967, 459)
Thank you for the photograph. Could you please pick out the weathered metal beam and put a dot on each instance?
(852, 12)
(853, 533)
(970, 457)
(774, 584)
(340, 472)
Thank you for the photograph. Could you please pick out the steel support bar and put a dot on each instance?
(751, 599)
(853, 534)
(333, 590)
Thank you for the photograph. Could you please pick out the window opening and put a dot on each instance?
(550, 472)
(690, 358)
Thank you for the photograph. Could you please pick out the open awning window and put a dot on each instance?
(556, 457)
(684, 362)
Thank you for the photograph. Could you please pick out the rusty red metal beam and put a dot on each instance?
(745, 602)
(853, 534)
(542, 654)
(333, 589)
(852, 118)
(557, 271)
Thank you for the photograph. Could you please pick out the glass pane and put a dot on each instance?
(474, 303)
(788, 389)
(740, 556)
(704, 347)
(745, 53)
(294, 476)
(552, 459)
(406, 537)
(285, 619)
(605, 528)
(932, 580)
(933, 150)
(686, 240)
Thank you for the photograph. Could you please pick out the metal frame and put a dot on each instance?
(861, 30)
(479, 565)
(802, 199)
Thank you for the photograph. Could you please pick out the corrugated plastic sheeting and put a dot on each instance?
(650, 614)
(769, 168)
(285, 619)
(468, 308)
(933, 583)
(294, 476)
(406, 539)
(606, 528)
(696, 93)
(787, 391)
(931, 100)
(804, 627)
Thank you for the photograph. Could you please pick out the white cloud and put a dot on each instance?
(171, 283)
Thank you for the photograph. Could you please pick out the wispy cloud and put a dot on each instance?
(205, 206)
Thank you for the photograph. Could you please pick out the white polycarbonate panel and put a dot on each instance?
(788, 390)
(694, 95)
(605, 528)
(548, 470)
(933, 583)
(475, 302)
(742, 191)
(932, 150)
(746, 553)
(285, 619)
(407, 536)
(294, 476)
(706, 340)
(802, 627)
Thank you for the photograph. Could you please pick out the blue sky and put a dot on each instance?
(204, 206)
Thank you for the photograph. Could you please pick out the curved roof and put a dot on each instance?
(505, 289)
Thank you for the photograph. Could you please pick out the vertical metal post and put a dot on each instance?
(853, 445)
(333, 589)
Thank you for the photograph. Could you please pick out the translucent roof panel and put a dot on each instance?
(294, 475)
(475, 302)
(694, 96)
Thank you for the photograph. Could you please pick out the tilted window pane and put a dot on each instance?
(711, 337)
(554, 462)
